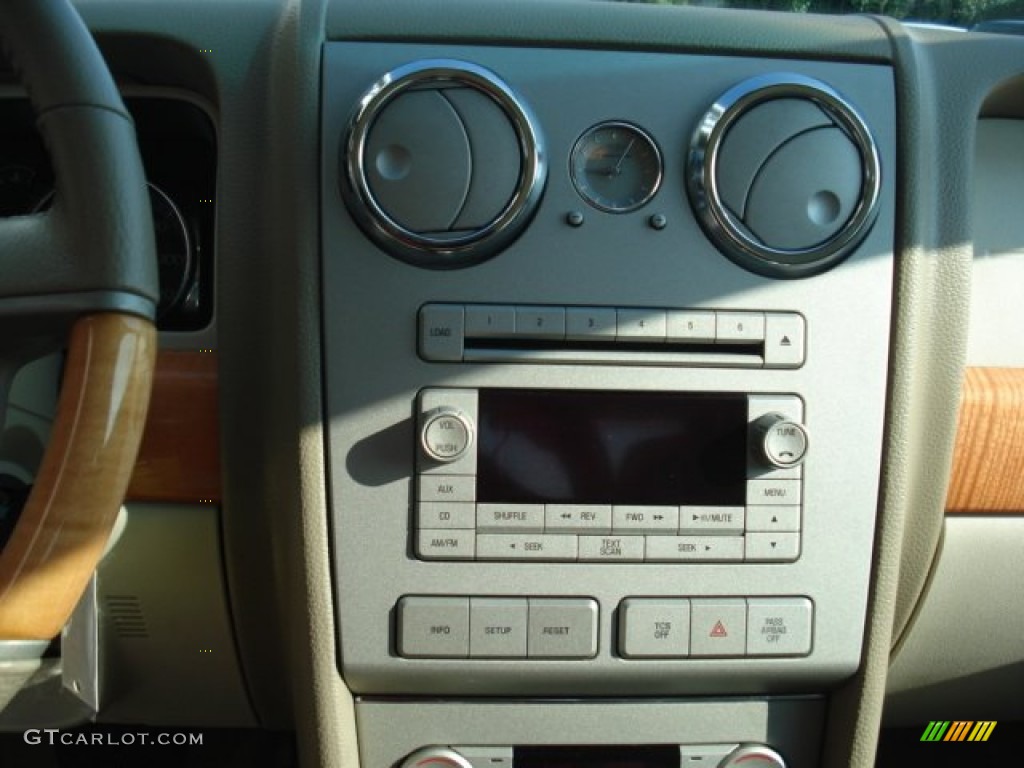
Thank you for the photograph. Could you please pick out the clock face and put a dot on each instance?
(616, 167)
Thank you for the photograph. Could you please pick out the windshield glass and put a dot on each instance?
(959, 13)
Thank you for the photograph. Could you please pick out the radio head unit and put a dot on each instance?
(556, 475)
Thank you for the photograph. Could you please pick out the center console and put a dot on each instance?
(606, 341)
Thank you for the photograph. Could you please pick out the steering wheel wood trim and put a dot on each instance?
(79, 488)
(88, 265)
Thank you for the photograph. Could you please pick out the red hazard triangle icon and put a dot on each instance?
(719, 630)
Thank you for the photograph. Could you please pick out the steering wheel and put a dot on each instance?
(85, 268)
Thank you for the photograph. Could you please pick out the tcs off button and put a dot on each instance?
(446, 435)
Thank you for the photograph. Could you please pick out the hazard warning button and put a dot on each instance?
(718, 627)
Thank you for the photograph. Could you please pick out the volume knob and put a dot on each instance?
(446, 434)
(779, 442)
(436, 757)
(754, 756)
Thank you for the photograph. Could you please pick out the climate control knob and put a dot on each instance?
(436, 757)
(446, 434)
(779, 441)
(754, 756)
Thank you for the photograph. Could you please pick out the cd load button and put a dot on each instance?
(562, 629)
(442, 332)
(781, 492)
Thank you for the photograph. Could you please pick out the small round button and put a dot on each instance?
(436, 756)
(446, 435)
(780, 441)
(754, 756)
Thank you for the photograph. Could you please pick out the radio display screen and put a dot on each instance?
(572, 447)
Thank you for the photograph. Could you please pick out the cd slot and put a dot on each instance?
(492, 350)
(492, 333)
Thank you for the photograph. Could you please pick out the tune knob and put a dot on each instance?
(754, 756)
(436, 757)
(446, 434)
(779, 441)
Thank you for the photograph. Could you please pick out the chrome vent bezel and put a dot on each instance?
(460, 249)
(722, 226)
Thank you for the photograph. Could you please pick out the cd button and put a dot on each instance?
(447, 514)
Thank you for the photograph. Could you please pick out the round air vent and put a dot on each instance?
(443, 164)
(784, 176)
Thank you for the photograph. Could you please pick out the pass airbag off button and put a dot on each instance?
(779, 626)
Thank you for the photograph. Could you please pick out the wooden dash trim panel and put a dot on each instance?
(179, 459)
(988, 460)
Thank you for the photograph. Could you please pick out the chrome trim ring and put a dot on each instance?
(723, 227)
(460, 248)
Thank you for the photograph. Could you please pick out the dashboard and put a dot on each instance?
(570, 382)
